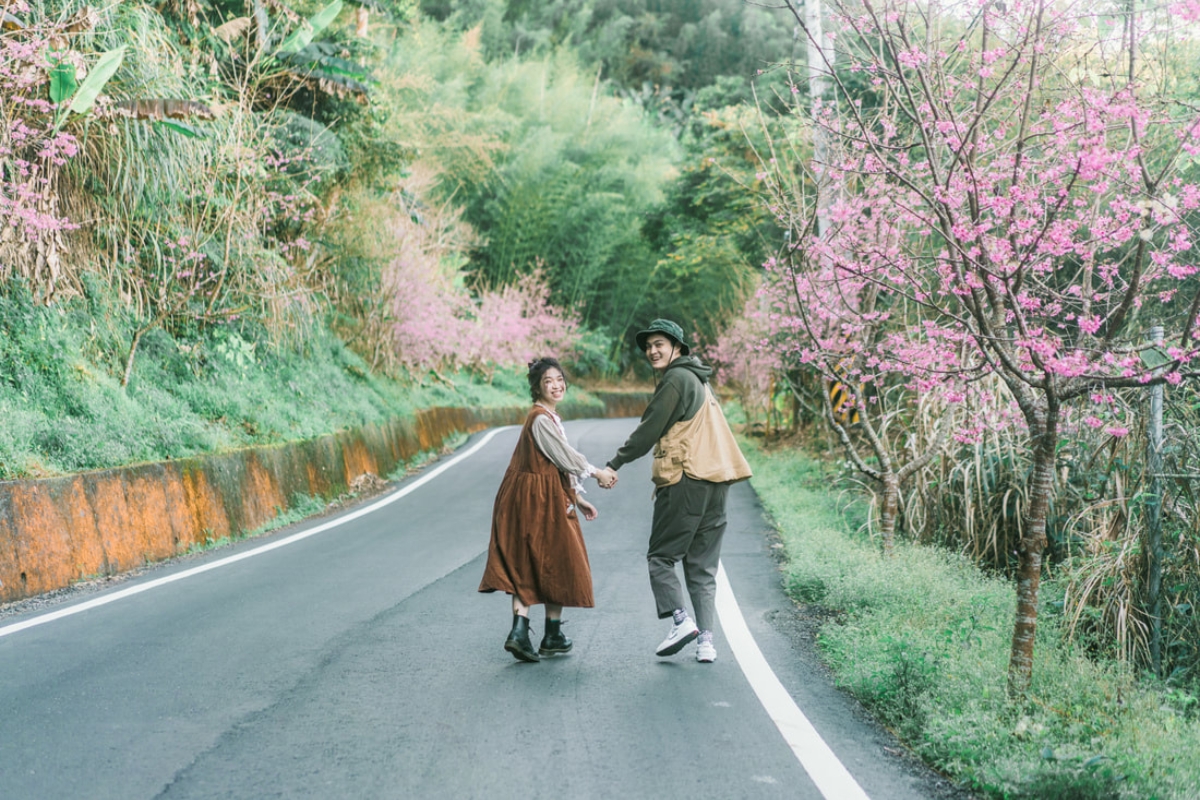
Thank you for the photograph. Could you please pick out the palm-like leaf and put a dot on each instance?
(317, 66)
(93, 84)
(308, 30)
(62, 82)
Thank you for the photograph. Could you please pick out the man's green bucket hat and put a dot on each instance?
(666, 328)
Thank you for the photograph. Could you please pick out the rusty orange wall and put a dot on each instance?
(54, 531)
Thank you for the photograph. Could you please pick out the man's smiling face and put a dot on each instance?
(661, 350)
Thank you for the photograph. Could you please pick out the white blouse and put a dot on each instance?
(551, 438)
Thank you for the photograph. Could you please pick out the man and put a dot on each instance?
(695, 460)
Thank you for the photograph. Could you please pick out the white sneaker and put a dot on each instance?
(705, 652)
(677, 638)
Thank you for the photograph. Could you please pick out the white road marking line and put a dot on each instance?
(408, 488)
(829, 774)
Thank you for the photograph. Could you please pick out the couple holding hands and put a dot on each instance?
(537, 553)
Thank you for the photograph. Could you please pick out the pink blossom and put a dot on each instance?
(1181, 271)
(1188, 10)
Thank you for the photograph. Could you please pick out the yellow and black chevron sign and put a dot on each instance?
(845, 409)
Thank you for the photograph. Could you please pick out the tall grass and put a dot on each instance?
(922, 640)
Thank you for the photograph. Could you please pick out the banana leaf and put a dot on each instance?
(62, 82)
(157, 108)
(93, 84)
(321, 56)
(303, 36)
(180, 127)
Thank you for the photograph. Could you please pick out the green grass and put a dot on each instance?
(226, 387)
(922, 639)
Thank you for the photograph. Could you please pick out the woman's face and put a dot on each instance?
(553, 386)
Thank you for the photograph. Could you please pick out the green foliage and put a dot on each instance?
(591, 358)
(222, 388)
(712, 232)
(85, 96)
(218, 249)
(62, 82)
(304, 33)
(66, 413)
(580, 172)
(554, 171)
(312, 151)
(565, 178)
(1085, 779)
(921, 638)
(685, 44)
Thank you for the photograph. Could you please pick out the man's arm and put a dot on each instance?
(659, 416)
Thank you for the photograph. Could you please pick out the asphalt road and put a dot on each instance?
(356, 660)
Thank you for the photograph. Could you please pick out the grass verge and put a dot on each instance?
(922, 639)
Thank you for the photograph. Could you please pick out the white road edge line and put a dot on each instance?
(829, 774)
(408, 488)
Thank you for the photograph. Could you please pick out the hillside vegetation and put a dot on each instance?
(238, 222)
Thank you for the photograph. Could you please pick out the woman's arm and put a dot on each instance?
(589, 511)
(554, 446)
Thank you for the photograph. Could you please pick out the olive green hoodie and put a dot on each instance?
(678, 396)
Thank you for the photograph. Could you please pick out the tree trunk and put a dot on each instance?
(1029, 564)
(889, 506)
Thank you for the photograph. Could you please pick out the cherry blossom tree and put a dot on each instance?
(32, 151)
(435, 321)
(1013, 202)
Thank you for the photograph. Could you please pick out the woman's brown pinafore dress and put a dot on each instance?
(537, 551)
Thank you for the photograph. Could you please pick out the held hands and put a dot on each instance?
(607, 478)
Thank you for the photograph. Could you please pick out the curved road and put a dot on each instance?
(351, 657)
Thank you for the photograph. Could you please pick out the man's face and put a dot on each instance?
(661, 350)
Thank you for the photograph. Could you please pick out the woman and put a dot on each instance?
(537, 553)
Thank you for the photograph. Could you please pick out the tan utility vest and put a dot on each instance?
(702, 447)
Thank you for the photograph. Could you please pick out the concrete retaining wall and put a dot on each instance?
(54, 531)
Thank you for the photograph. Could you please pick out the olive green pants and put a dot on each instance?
(689, 522)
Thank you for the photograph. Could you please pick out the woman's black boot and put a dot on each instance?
(554, 642)
(518, 640)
